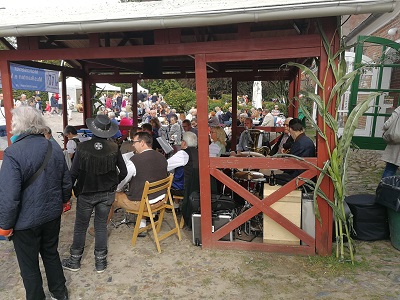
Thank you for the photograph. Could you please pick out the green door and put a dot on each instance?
(381, 73)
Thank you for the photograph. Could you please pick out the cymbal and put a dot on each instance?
(248, 175)
(249, 154)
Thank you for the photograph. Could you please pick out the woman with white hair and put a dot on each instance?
(31, 205)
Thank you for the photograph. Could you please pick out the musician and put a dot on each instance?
(284, 142)
(302, 146)
(245, 140)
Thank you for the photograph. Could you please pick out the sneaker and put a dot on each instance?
(64, 297)
(71, 264)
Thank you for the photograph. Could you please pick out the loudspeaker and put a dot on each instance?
(218, 220)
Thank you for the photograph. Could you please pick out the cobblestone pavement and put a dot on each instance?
(185, 271)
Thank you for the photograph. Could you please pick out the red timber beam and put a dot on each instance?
(134, 103)
(7, 96)
(213, 165)
(294, 88)
(264, 205)
(234, 112)
(323, 233)
(204, 163)
(262, 48)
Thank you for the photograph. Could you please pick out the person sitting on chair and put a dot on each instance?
(302, 146)
(284, 142)
(188, 158)
(246, 142)
(145, 165)
(178, 162)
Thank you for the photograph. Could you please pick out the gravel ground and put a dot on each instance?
(185, 271)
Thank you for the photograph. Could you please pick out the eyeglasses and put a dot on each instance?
(136, 141)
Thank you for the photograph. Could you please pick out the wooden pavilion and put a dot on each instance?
(246, 41)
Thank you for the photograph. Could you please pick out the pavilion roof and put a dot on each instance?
(89, 16)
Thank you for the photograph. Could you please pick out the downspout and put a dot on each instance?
(196, 19)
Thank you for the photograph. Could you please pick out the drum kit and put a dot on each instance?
(254, 183)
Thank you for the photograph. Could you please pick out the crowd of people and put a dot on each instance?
(108, 171)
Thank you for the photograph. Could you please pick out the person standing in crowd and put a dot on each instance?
(71, 106)
(54, 103)
(72, 134)
(31, 205)
(95, 171)
(391, 155)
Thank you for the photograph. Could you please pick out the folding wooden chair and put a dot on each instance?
(182, 221)
(145, 210)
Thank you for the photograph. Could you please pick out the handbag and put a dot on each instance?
(392, 134)
(40, 170)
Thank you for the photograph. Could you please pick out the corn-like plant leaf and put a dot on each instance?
(341, 86)
(351, 124)
(307, 71)
(311, 119)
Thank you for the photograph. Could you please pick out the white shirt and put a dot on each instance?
(214, 150)
(179, 159)
(189, 117)
(71, 146)
(2, 117)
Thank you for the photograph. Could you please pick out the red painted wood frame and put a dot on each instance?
(211, 166)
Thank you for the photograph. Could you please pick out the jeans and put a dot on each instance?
(101, 202)
(28, 244)
(390, 170)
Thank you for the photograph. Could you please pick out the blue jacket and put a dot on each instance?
(42, 201)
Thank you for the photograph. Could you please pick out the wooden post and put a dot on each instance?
(204, 160)
(7, 95)
(323, 231)
(234, 114)
(134, 103)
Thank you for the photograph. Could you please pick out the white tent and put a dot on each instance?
(107, 87)
(74, 89)
(139, 88)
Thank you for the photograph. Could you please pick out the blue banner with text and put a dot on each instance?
(33, 79)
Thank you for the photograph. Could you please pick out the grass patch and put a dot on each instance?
(332, 267)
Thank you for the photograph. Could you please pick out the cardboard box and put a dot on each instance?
(289, 207)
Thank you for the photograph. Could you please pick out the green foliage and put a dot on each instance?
(212, 104)
(275, 89)
(160, 86)
(181, 99)
(335, 168)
